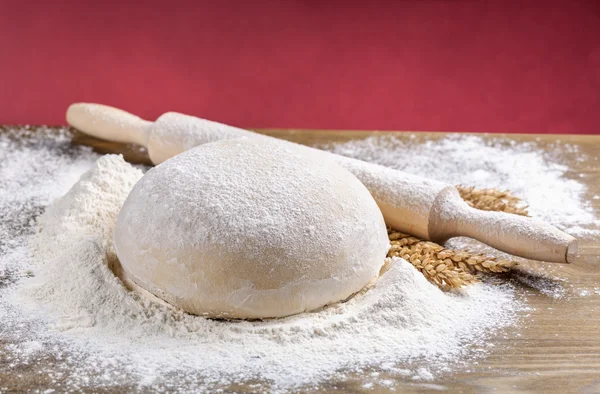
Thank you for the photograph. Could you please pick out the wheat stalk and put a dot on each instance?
(492, 200)
(423, 255)
(449, 268)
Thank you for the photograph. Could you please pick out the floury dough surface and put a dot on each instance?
(246, 229)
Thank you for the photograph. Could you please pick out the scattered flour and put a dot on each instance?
(539, 179)
(66, 312)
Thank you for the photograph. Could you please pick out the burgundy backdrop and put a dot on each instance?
(504, 66)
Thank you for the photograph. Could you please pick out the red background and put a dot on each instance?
(504, 66)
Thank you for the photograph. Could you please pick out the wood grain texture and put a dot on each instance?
(556, 346)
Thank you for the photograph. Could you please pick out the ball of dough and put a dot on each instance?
(247, 229)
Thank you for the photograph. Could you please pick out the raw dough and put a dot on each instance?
(250, 229)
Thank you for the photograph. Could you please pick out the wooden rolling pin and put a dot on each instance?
(426, 208)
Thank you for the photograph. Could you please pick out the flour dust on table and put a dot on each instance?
(65, 312)
(538, 178)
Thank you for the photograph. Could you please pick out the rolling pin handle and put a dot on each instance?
(514, 234)
(109, 123)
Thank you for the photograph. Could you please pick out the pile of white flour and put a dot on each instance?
(64, 311)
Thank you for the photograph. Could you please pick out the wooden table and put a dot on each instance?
(556, 349)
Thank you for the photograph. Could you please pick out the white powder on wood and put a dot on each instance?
(541, 180)
(74, 315)
(389, 323)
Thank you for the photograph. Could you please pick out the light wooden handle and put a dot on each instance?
(514, 234)
(109, 123)
(522, 236)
